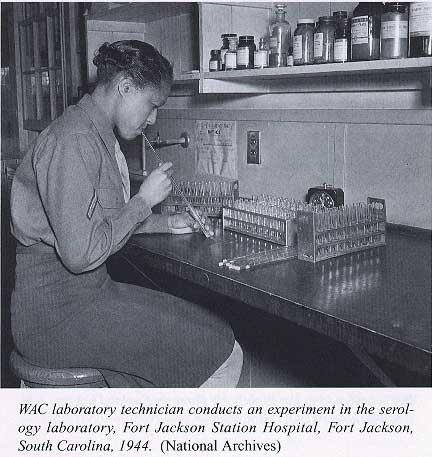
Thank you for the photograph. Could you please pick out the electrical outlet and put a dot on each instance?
(253, 147)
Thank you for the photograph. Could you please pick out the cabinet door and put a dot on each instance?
(216, 19)
(176, 37)
(42, 51)
(48, 70)
(99, 32)
(9, 108)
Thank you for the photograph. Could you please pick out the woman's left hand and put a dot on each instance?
(184, 223)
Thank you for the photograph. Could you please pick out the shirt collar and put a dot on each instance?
(100, 121)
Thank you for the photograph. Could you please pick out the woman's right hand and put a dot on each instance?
(157, 185)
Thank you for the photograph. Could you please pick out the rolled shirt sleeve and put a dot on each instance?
(87, 229)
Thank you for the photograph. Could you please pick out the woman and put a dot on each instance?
(71, 210)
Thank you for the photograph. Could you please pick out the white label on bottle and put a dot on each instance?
(341, 50)
(318, 44)
(298, 47)
(359, 30)
(273, 42)
(213, 65)
(243, 56)
(394, 29)
(261, 59)
(420, 19)
(230, 60)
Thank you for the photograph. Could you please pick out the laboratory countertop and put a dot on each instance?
(379, 299)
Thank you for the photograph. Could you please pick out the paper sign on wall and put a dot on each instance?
(216, 148)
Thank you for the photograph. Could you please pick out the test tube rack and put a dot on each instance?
(208, 196)
(268, 218)
(324, 233)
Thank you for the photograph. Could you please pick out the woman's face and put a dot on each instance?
(137, 107)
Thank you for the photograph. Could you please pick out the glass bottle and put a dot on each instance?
(225, 46)
(342, 41)
(340, 15)
(365, 31)
(420, 27)
(261, 55)
(231, 54)
(303, 42)
(324, 37)
(215, 60)
(245, 52)
(394, 31)
(280, 38)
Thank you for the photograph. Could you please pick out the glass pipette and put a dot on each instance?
(190, 208)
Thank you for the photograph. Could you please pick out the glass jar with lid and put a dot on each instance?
(394, 31)
(225, 46)
(342, 41)
(231, 54)
(324, 37)
(303, 49)
(245, 52)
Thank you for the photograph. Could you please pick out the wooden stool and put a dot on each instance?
(34, 376)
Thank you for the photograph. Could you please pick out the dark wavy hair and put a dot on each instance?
(138, 60)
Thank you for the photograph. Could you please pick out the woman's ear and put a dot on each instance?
(125, 87)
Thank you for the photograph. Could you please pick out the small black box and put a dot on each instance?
(325, 195)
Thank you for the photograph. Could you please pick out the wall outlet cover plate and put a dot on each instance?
(253, 147)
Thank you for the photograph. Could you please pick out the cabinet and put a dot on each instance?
(47, 63)
(172, 28)
(253, 19)
(186, 32)
(9, 116)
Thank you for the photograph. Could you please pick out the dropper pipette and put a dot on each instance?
(190, 208)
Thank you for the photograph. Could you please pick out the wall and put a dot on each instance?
(385, 154)
(371, 136)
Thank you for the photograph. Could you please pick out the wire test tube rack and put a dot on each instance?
(207, 195)
(324, 233)
(268, 218)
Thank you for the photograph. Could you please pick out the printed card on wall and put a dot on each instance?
(216, 148)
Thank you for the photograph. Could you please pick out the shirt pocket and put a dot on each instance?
(110, 197)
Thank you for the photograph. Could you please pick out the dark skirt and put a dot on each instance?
(60, 319)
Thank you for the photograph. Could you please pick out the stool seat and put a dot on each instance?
(35, 376)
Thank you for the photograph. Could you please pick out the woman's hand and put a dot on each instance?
(157, 185)
(185, 223)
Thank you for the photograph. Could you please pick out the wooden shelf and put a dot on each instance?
(388, 73)
(187, 77)
(383, 75)
(400, 65)
(186, 84)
